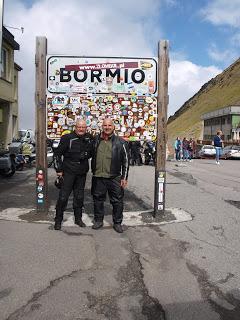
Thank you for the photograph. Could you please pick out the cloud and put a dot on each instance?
(226, 56)
(185, 79)
(223, 12)
(126, 28)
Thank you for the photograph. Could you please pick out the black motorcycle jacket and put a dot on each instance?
(120, 156)
(72, 153)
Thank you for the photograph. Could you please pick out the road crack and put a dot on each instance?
(32, 304)
(225, 304)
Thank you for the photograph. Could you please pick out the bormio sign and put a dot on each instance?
(101, 75)
(124, 89)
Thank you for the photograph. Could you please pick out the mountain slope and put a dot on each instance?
(221, 91)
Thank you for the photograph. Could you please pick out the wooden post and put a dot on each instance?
(41, 143)
(160, 166)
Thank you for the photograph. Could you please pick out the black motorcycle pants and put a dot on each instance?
(100, 188)
(71, 182)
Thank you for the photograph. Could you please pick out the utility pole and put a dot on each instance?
(162, 102)
(1, 27)
(41, 143)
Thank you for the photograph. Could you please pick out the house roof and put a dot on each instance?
(234, 109)
(9, 38)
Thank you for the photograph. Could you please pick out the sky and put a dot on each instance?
(204, 38)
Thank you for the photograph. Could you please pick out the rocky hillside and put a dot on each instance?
(221, 91)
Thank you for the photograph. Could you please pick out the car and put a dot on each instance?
(207, 151)
(231, 152)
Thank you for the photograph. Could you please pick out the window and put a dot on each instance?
(15, 87)
(14, 126)
(5, 64)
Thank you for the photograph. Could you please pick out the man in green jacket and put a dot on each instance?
(110, 165)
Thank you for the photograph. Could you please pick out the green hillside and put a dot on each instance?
(221, 91)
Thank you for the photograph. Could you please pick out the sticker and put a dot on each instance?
(160, 192)
(149, 100)
(74, 100)
(61, 121)
(88, 122)
(151, 118)
(141, 123)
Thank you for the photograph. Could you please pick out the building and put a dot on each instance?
(226, 119)
(8, 90)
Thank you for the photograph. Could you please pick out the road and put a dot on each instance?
(174, 271)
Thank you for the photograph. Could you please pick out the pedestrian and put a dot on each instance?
(135, 152)
(218, 144)
(71, 164)
(185, 146)
(190, 149)
(177, 147)
(110, 165)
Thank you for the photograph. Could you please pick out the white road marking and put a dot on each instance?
(131, 218)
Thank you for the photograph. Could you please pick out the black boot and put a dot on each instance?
(97, 225)
(118, 228)
(57, 225)
(80, 223)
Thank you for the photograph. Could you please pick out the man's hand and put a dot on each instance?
(123, 183)
(59, 174)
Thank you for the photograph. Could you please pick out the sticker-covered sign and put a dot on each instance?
(99, 75)
(123, 89)
(134, 117)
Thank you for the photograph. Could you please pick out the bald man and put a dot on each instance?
(71, 164)
(110, 165)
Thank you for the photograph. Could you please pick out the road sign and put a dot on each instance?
(101, 75)
(94, 88)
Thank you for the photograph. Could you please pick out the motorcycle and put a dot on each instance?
(149, 153)
(52, 146)
(23, 153)
(7, 164)
(20, 162)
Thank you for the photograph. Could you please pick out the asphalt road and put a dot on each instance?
(176, 271)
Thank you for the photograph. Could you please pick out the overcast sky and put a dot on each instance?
(204, 37)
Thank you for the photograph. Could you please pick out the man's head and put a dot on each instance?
(80, 127)
(219, 133)
(108, 126)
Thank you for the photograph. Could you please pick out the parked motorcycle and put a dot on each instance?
(52, 146)
(7, 164)
(23, 152)
(20, 162)
(149, 152)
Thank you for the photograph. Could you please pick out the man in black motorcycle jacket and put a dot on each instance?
(71, 164)
(110, 165)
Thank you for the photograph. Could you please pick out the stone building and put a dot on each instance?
(8, 90)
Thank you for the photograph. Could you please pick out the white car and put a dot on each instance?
(207, 151)
(231, 152)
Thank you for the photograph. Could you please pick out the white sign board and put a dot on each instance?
(101, 75)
